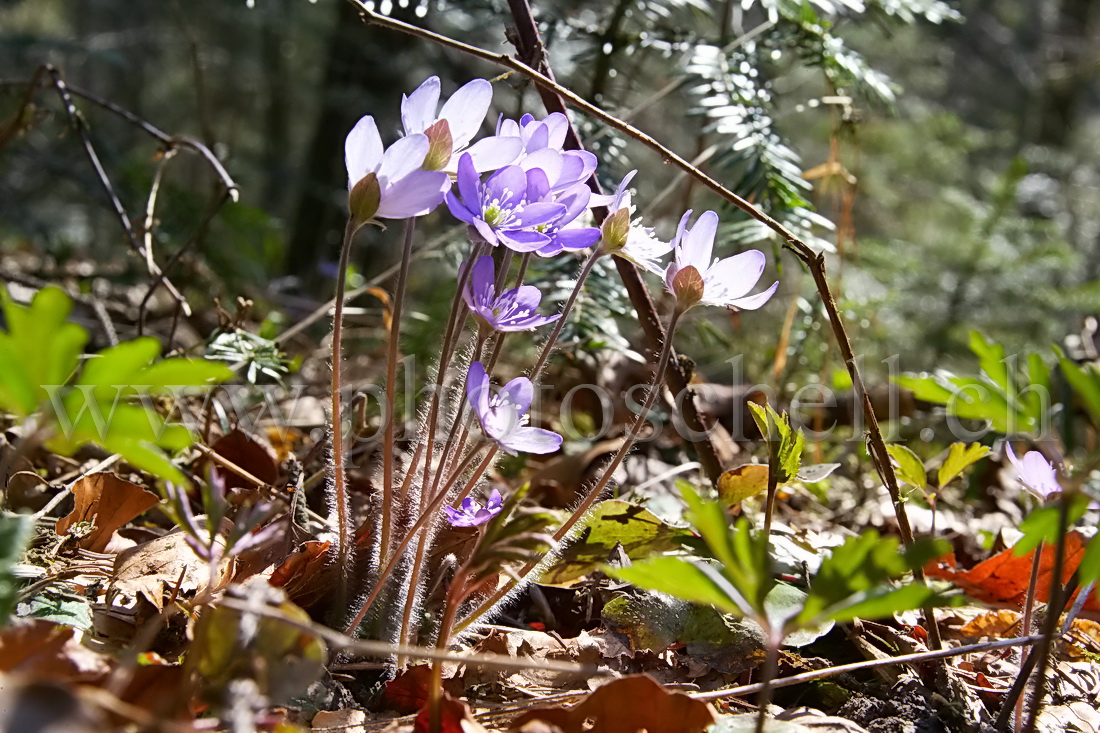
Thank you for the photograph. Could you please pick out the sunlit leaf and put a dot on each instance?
(910, 467)
(959, 457)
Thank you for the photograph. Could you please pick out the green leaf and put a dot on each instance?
(1089, 569)
(640, 532)
(991, 358)
(859, 570)
(1043, 524)
(1085, 382)
(59, 606)
(183, 373)
(685, 579)
(38, 349)
(15, 533)
(959, 457)
(783, 604)
(886, 602)
(910, 467)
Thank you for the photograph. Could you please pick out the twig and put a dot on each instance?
(381, 649)
(867, 664)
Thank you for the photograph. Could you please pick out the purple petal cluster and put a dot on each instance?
(517, 208)
(512, 310)
(1037, 474)
(470, 514)
(726, 282)
(503, 416)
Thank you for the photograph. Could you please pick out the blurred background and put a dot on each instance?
(944, 153)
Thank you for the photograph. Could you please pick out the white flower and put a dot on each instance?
(627, 238)
(725, 282)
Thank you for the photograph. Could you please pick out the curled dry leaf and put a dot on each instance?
(455, 717)
(153, 568)
(627, 705)
(408, 692)
(108, 502)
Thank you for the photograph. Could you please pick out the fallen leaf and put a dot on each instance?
(248, 453)
(626, 705)
(45, 707)
(455, 717)
(346, 721)
(994, 624)
(743, 482)
(303, 574)
(155, 567)
(1003, 578)
(108, 502)
(640, 532)
(408, 692)
(43, 650)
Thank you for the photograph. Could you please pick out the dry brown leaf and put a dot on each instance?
(108, 502)
(455, 718)
(992, 624)
(43, 650)
(248, 453)
(627, 705)
(154, 567)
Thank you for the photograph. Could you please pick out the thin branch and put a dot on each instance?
(867, 664)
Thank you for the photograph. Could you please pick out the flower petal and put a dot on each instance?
(418, 109)
(490, 153)
(465, 110)
(572, 240)
(469, 183)
(751, 302)
(519, 240)
(697, 244)
(362, 150)
(519, 392)
(416, 194)
(477, 391)
(531, 440)
(402, 158)
(734, 276)
(540, 212)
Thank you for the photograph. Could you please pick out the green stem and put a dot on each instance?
(771, 667)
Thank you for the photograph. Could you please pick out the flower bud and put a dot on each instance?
(688, 286)
(615, 231)
(440, 146)
(363, 199)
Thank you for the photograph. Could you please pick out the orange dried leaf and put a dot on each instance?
(108, 502)
(627, 705)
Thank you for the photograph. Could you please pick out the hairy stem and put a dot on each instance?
(771, 667)
(339, 483)
(426, 516)
(1028, 621)
(389, 436)
(608, 471)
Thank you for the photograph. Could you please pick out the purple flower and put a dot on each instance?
(462, 114)
(542, 142)
(561, 236)
(500, 209)
(1036, 473)
(724, 282)
(404, 189)
(629, 239)
(471, 514)
(514, 310)
(503, 416)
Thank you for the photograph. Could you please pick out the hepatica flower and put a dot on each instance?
(513, 310)
(389, 184)
(503, 416)
(1036, 473)
(628, 239)
(471, 514)
(500, 209)
(694, 278)
(451, 128)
